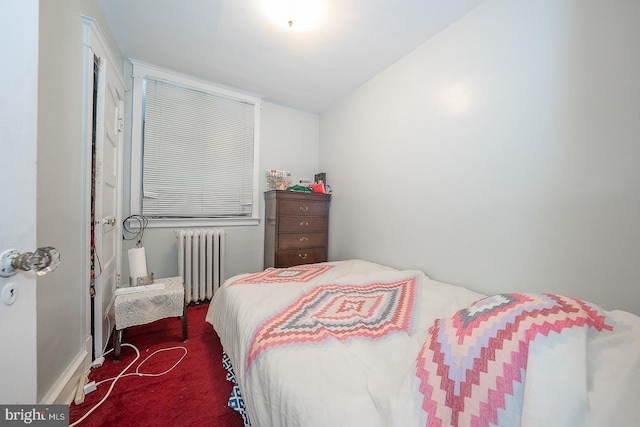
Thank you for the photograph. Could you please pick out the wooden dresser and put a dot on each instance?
(296, 229)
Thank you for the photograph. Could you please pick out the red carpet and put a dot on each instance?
(194, 393)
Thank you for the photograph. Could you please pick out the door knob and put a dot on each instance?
(42, 261)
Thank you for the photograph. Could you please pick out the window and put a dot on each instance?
(194, 156)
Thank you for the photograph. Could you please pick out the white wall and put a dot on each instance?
(501, 155)
(61, 203)
(288, 141)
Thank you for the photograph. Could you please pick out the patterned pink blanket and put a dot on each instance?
(339, 311)
(353, 343)
(475, 360)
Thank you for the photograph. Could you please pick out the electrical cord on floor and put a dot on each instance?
(106, 396)
(137, 373)
(141, 374)
(107, 343)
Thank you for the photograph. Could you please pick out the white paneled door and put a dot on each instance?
(18, 149)
(109, 138)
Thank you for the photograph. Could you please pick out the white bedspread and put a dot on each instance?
(338, 344)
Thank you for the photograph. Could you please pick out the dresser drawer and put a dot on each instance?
(297, 224)
(301, 240)
(303, 208)
(296, 228)
(300, 256)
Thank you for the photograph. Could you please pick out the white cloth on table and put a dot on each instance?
(139, 308)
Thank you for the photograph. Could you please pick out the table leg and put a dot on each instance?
(117, 341)
(183, 318)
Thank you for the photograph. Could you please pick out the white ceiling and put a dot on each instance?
(233, 42)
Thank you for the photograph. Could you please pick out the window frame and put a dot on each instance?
(140, 72)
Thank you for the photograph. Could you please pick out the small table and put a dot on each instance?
(149, 305)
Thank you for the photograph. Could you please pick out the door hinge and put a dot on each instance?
(109, 221)
(120, 123)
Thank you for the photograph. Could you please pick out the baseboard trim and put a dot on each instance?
(64, 389)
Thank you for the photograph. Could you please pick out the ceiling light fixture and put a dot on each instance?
(298, 15)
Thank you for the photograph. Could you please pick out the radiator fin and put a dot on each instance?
(201, 261)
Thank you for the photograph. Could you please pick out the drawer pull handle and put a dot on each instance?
(303, 256)
(304, 224)
(304, 209)
(303, 239)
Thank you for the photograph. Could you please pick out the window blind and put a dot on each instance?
(198, 153)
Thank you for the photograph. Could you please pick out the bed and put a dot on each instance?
(354, 343)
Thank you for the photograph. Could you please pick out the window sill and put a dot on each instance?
(195, 222)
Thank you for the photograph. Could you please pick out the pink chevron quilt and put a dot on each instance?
(353, 343)
(340, 311)
(299, 274)
(475, 362)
